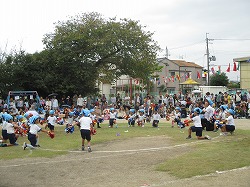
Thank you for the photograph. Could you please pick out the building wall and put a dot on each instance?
(170, 68)
(244, 75)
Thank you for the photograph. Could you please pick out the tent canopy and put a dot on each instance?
(190, 82)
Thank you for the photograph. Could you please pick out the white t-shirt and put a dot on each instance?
(55, 103)
(80, 101)
(230, 120)
(34, 129)
(197, 121)
(10, 128)
(112, 115)
(52, 120)
(156, 116)
(4, 125)
(85, 122)
(141, 118)
(209, 111)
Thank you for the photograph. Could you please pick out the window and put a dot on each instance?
(172, 73)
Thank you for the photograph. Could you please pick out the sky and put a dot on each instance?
(178, 25)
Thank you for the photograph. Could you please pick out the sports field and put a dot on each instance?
(132, 157)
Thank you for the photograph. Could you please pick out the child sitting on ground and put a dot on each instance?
(141, 118)
(230, 125)
(156, 119)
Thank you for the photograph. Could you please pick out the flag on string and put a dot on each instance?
(234, 68)
(218, 70)
(198, 75)
(212, 70)
(178, 77)
(228, 69)
(172, 78)
(136, 81)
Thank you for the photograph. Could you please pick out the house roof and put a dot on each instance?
(186, 64)
(242, 59)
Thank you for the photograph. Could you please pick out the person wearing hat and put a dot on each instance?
(33, 133)
(10, 129)
(85, 123)
(51, 121)
(177, 116)
(112, 117)
(197, 127)
(141, 118)
(131, 117)
(230, 125)
(69, 123)
(4, 137)
(220, 118)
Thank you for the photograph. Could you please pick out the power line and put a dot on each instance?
(228, 39)
(186, 45)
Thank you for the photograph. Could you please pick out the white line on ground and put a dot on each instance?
(199, 176)
(124, 152)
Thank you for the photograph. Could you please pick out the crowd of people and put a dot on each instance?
(211, 112)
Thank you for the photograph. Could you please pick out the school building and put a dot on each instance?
(244, 71)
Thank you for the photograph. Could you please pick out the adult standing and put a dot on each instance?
(55, 104)
(80, 101)
(75, 97)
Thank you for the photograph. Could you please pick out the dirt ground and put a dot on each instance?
(129, 163)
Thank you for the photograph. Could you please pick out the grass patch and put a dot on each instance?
(223, 153)
(229, 153)
(69, 142)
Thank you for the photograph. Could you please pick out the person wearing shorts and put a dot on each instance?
(51, 120)
(197, 128)
(230, 125)
(9, 125)
(4, 130)
(33, 133)
(85, 123)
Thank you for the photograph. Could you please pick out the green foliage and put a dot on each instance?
(95, 46)
(232, 85)
(219, 80)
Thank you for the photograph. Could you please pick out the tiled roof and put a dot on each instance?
(186, 64)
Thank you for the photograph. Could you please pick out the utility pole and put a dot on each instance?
(208, 68)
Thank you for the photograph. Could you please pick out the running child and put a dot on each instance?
(85, 124)
(51, 121)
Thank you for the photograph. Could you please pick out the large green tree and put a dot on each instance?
(219, 80)
(88, 48)
(79, 53)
